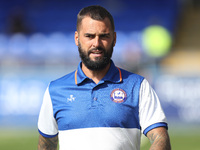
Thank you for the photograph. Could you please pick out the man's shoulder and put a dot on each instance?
(130, 75)
(66, 79)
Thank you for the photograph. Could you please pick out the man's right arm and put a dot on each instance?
(47, 143)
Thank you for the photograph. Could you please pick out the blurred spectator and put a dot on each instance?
(196, 4)
(16, 22)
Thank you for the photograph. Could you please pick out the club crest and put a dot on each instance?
(118, 95)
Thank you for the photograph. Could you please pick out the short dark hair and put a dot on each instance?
(96, 12)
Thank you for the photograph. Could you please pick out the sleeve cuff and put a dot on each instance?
(46, 135)
(156, 125)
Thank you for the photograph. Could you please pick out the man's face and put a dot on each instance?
(95, 40)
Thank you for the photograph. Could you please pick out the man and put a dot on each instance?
(100, 106)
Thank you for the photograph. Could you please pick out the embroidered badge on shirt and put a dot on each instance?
(118, 95)
(71, 98)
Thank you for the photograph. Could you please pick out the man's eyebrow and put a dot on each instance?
(93, 34)
(104, 33)
(88, 34)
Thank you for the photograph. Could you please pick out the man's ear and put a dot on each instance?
(76, 37)
(115, 38)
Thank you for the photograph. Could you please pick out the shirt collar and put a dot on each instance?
(113, 75)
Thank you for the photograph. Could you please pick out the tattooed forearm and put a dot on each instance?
(159, 139)
(47, 143)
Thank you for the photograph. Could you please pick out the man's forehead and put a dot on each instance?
(100, 33)
(86, 21)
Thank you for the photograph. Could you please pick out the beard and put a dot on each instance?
(99, 63)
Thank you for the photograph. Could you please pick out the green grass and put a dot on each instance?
(18, 139)
(181, 142)
(181, 139)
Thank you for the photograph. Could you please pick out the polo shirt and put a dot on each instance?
(110, 115)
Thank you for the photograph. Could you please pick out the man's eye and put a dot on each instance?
(105, 36)
(90, 36)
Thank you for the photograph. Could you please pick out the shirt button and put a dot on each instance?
(95, 98)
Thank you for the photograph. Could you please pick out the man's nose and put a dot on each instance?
(97, 42)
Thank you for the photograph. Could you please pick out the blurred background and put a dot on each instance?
(158, 39)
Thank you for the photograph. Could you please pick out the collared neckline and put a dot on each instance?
(110, 75)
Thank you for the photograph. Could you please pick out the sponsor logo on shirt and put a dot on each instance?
(118, 95)
(71, 98)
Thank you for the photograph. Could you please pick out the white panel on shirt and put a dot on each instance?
(102, 138)
(47, 123)
(150, 110)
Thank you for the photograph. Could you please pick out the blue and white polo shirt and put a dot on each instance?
(110, 115)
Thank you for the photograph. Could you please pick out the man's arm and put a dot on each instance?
(47, 143)
(159, 139)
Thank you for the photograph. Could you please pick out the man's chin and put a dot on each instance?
(96, 64)
(96, 58)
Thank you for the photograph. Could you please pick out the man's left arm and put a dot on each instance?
(159, 139)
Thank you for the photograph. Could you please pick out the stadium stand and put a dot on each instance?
(50, 16)
(45, 25)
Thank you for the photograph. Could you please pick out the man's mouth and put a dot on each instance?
(96, 52)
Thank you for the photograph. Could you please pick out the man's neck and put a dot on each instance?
(96, 75)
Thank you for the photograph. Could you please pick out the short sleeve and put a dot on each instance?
(47, 125)
(150, 111)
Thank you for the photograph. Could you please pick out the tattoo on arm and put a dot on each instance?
(159, 139)
(47, 143)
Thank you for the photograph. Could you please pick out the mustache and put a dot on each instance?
(96, 48)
